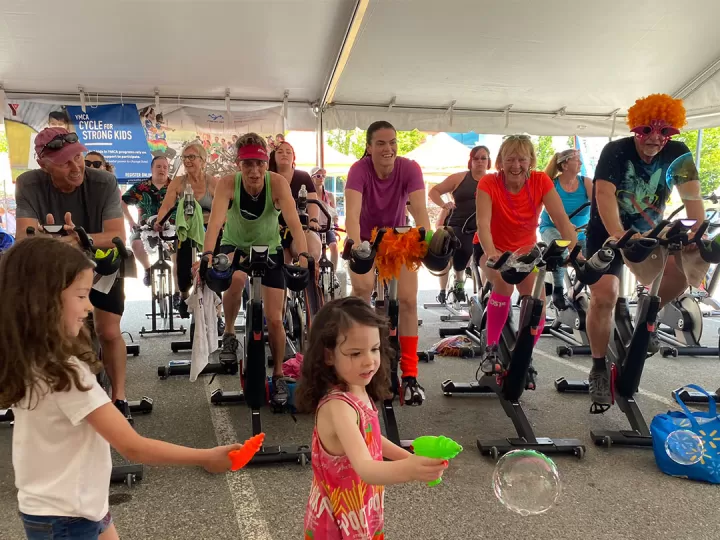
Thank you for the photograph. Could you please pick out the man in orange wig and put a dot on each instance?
(630, 192)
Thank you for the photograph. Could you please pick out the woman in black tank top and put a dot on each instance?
(462, 186)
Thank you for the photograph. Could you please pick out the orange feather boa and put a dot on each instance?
(396, 250)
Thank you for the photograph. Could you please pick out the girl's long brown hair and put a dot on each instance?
(34, 345)
(335, 318)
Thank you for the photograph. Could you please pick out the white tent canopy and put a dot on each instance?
(549, 68)
(441, 153)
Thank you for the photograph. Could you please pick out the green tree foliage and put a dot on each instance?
(352, 143)
(545, 151)
(709, 156)
(571, 141)
(3, 143)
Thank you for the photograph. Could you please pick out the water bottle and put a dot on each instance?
(363, 251)
(189, 200)
(303, 192)
(221, 262)
(601, 259)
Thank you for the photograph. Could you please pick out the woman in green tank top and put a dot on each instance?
(247, 204)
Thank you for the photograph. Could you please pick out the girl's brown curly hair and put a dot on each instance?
(657, 107)
(335, 318)
(34, 346)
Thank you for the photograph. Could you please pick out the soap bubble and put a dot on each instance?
(684, 447)
(681, 171)
(526, 482)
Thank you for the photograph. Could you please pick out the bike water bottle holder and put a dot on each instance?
(297, 278)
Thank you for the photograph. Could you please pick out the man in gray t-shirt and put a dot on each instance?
(64, 191)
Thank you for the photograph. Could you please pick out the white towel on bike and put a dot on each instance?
(205, 339)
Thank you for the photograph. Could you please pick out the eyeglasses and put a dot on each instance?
(94, 164)
(59, 141)
(190, 157)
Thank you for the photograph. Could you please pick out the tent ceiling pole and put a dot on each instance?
(698, 149)
(320, 138)
(343, 55)
(64, 96)
(501, 112)
(696, 82)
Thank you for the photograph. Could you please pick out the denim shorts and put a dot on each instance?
(63, 527)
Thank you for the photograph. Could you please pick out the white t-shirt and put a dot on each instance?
(62, 465)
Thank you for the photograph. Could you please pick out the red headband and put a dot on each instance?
(253, 151)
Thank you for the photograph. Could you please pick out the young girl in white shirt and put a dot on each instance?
(64, 421)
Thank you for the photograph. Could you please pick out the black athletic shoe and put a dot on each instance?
(183, 309)
(221, 326)
(559, 301)
(229, 348)
(459, 292)
(280, 392)
(176, 299)
(413, 393)
(123, 406)
(654, 343)
(600, 393)
(147, 278)
(441, 298)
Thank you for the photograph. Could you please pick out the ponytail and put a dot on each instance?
(552, 169)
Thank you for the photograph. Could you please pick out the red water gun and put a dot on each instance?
(240, 458)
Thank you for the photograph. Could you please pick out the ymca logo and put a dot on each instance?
(14, 108)
(215, 117)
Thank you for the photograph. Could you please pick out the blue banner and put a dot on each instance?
(115, 132)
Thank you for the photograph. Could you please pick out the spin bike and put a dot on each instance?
(626, 354)
(457, 305)
(569, 323)
(253, 375)
(361, 262)
(161, 285)
(302, 305)
(515, 349)
(476, 303)
(680, 322)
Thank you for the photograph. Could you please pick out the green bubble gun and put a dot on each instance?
(436, 448)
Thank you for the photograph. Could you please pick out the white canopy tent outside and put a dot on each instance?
(549, 68)
(440, 155)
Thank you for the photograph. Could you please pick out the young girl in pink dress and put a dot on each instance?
(345, 370)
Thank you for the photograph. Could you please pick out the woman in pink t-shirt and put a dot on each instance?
(377, 190)
(345, 370)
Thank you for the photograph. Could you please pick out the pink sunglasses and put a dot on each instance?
(658, 127)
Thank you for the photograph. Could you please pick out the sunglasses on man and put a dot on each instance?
(59, 141)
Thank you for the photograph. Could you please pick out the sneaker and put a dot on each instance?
(459, 292)
(176, 299)
(124, 407)
(413, 393)
(229, 348)
(441, 298)
(491, 364)
(599, 382)
(280, 392)
(558, 300)
(530, 381)
(335, 283)
(221, 326)
(654, 343)
(148, 277)
(182, 309)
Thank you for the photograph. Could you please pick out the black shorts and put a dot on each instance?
(273, 278)
(477, 253)
(113, 301)
(593, 242)
(462, 255)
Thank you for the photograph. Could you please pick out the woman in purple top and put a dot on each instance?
(377, 190)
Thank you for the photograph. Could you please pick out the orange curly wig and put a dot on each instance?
(657, 107)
